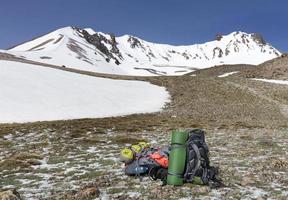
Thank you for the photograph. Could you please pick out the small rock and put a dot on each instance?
(280, 164)
(154, 191)
(266, 141)
(201, 189)
(88, 193)
(136, 181)
(204, 190)
(34, 162)
(246, 181)
(121, 183)
(10, 195)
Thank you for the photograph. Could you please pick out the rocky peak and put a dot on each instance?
(98, 41)
(219, 36)
(257, 37)
(134, 42)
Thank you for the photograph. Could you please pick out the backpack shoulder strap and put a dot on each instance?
(193, 162)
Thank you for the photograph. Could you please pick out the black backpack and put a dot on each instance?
(197, 161)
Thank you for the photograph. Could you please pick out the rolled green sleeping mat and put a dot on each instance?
(177, 158)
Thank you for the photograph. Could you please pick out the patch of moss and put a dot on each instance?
(48, 171)
(107, 162)
(246, 137)
(12, 164)
(99, 131)
(5, 131)
(26, 156)
(76, 133)
(91, 140)
(115, 190)
(126, 140)
(39, 145)
(10, 181)
(56, 159)
(267, 142)
(5, 143)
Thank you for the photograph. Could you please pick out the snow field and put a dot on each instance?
(32, 93)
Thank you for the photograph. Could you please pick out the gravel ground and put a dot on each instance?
(253, 164)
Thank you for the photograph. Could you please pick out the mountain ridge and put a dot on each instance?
(130, 55)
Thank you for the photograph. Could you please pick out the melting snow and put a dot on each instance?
(255, 192)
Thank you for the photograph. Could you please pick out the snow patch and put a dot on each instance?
(8, 137)
(32, 93)
(92, 150)
(227, 74)
(282, 82)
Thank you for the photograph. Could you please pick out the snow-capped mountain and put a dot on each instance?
(88, 50)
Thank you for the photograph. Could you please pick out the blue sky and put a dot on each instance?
(175, 22)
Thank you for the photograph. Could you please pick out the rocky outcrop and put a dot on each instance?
(114, 48)
(218, 36)
(134, 42)
(227, 52)
(98, 40)
(76, 48)
(88, 193)
(217, 52)
(185, 55)
(258, 38)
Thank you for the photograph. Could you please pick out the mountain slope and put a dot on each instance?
(273, 69)
(86, 49)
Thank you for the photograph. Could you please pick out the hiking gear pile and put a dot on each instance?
(185, 161)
